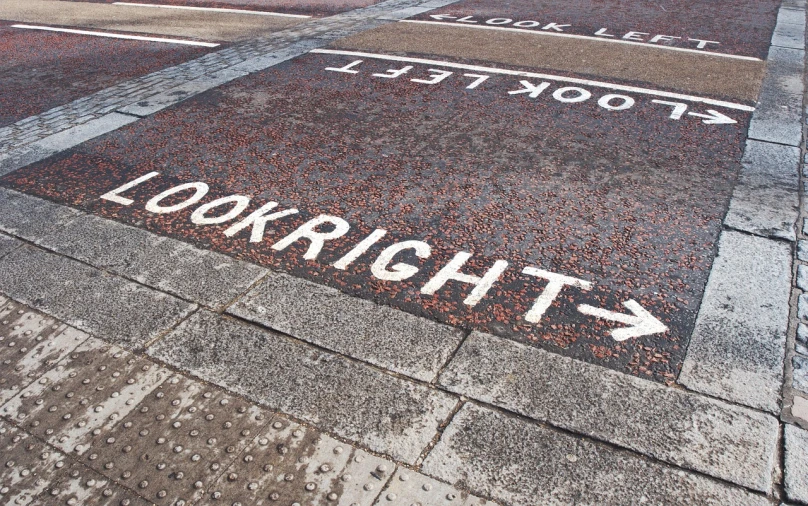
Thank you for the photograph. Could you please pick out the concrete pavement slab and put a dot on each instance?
(737, 348)
(796, 470)
(204, 277)
(790, 29)
(520, 463)
(384, 413)
(765, 200)
(31, 218)
(718, 439)
(104, 305)
(324, 316)
(778, 115)
(8, 244)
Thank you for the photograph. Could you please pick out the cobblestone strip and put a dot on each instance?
(85, 422)
(251, 56)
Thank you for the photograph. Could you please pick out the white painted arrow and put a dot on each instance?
(441, 17)
(642, 323)
(714, 118)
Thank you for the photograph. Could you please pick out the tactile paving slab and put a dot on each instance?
(409, 488)
(30, 344)
(177, 441)
(84, 395)
(34, 473)
(293, 464)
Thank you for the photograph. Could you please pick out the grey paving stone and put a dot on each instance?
(206, 277)
(778, 115)
(800, 368)
(101, 304)
(766, 198)
(801, 344)
(802, 277)
(722, 440)
(30, 217)
(802, 306)
(737, 348)
(796, 469)
(790, 29)
(520, 463)
(383, 336)
(8, 244)
(63, 140)
(354, 401)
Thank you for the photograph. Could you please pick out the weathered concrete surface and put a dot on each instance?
(778, 115)
(796, 471)
(738, 345)
(8, 244)
(96, 302)
(386, 414)
(381, 335)
(766, 198)
(525, 464)
(31, 218)
(202, 276)
(718, 439)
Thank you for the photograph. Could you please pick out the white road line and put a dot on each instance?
(118, 35)
(586, 37)
(587, 82)
(213, 9)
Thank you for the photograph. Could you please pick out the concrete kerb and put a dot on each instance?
(751, 372)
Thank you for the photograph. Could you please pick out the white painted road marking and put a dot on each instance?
(520, 73)
(601, 37)
(117, 35)
(642, 323)
(213, 9)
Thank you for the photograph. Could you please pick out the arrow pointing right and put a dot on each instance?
(714, 118)
(441, 17)
(641, 322)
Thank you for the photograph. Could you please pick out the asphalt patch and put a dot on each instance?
(619, 193)
(40, 70)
